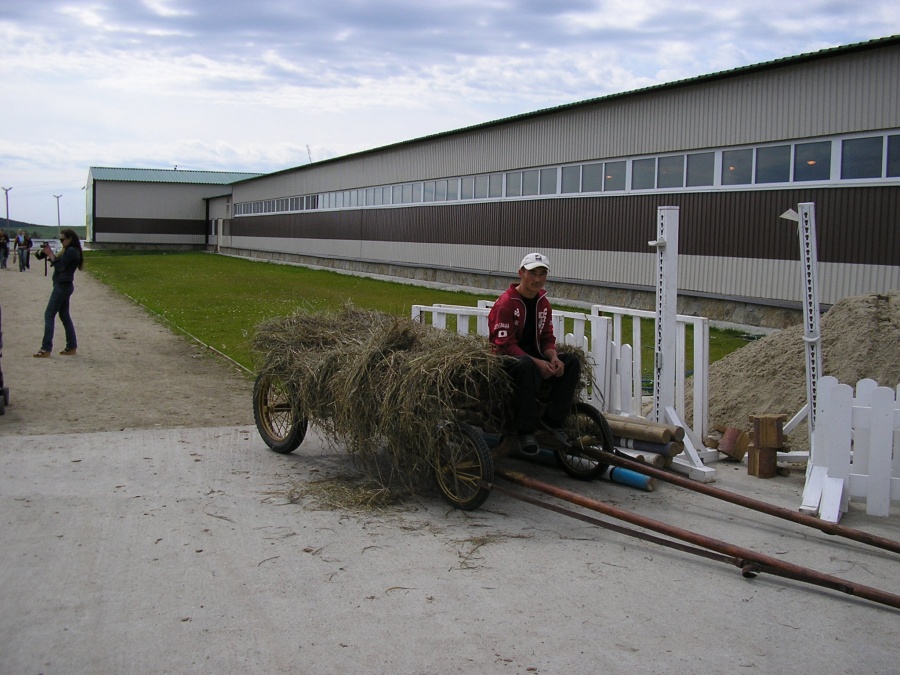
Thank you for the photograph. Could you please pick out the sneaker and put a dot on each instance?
(69, 351)
(42, 355)
(528, 445)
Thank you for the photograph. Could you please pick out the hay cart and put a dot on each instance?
(470, 441)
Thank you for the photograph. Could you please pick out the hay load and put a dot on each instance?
(381, 386)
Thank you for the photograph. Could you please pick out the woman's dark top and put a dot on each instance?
(65, 265)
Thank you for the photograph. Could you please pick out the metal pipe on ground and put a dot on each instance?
(751, 562)
(748, 502)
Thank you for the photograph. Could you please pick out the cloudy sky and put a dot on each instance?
(264, 85)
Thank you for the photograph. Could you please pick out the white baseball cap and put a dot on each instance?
(532, 260)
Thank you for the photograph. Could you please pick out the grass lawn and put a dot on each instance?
(220, 300)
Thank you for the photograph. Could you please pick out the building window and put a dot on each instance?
(514, 184)
(548, 181)
(440, 191)
(773, 165)
(591, 177)
(467, 187)
(643, 174)
(670, 172)
(428, 191)
(614, 176)
(530, 182)
(701, 169)
(571, 179)
(453, 189)
(862, 157)
(495, 188)
(481, 186)
(893, 157)
(737, 167)
(812, 161)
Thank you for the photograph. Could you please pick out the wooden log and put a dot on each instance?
(658, 461)
(676, 431)
(641, 432)
(669, 449)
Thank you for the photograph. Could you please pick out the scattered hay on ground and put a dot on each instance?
(347, 493)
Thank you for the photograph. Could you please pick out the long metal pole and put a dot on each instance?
(58, 227)
(749, 502)
(751, 562)
(6, 190)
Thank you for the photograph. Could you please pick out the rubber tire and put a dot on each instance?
(277, 419)
(6, 395)
(463, 460)
(585, 420)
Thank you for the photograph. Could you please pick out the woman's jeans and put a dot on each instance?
(59, 304)
(23, 258)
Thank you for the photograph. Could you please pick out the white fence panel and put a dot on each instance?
(698, 367)
(857, 440)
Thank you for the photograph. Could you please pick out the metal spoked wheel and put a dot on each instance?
(278, 421)
(587, 430)
(464, 461)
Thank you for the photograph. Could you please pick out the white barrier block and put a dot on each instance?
(812, 492)
(830, 510)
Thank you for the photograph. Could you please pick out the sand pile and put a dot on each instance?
(860, 339)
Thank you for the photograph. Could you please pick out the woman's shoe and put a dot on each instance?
(42, 355)
(69, 352)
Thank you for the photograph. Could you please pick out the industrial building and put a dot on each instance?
(582, 182)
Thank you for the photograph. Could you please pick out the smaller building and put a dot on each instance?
(147, 207)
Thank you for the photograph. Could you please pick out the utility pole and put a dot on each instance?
(58, 229)
(6, 190)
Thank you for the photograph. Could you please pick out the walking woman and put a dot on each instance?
(69, 258)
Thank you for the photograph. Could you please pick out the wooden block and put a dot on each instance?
(762, 462)
(734, 443)
(768, 430)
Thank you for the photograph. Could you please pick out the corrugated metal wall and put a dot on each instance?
(843, 94)
(732, 243)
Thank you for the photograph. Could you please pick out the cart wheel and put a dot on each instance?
(278, 422)
(464, 460)
(586, 428)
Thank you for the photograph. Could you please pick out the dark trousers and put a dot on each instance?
(59, 304)
(557, 393)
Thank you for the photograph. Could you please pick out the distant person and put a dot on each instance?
(521, 326)
(28, 244)
(69, 258)
(4, 248)
(20, 250)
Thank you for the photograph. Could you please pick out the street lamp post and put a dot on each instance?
(6, 190)
(58, 229)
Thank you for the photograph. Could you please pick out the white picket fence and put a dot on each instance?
(855, 449)
(615, 358)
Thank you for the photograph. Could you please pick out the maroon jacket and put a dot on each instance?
(506, 322)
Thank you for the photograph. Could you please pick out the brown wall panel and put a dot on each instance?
(149, 226)
(854, 225)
